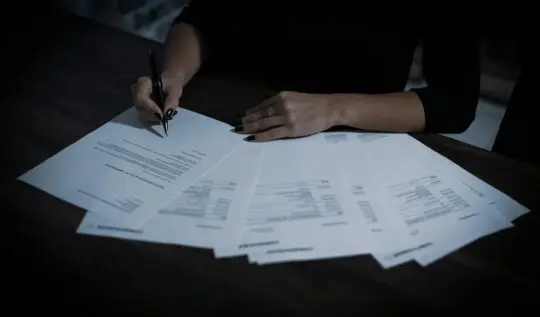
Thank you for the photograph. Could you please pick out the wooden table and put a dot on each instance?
(76, 76)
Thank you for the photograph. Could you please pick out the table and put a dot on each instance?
(77, 76)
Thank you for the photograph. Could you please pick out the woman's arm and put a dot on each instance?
(186, 46)
(182, 53)
(446, 105)
(394, 112)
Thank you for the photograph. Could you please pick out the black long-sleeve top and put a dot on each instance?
(310, 47)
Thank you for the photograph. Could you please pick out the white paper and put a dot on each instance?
(380, 236)
(297, 202)
(436, 211)
(126, 172)
(229, 237)
(409, 147)
(416, 158)
(355, 146)
(501, 204)
(375, 228)
(196, 217)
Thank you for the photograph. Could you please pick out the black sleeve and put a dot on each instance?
(451, 69)
(520, 118)
(199, 13)
(207, 17)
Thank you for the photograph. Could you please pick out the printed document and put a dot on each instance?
(500, 202)
(196, 217)
(410, 148)
(441, 198)
(374, 225)
(448, 197)
(402, 147)
(298, 202)
(126, 172)
(437, 210)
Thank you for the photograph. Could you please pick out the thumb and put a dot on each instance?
(173, 99)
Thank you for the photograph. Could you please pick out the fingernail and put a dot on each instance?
(238, 128)
(250, 138)
(158, 116)
(169, 113)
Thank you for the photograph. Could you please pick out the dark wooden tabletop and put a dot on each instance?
(73, 75)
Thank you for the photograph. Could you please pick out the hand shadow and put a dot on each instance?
(131, 118)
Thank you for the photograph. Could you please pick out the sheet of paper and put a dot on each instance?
(415, 158)
(125, 171)
(410, 147)
(382, 236)
(196, 217)
(438, 211)
(297, 202)
(228, 238)
(500, 203)
(405, 145)
(363, 142)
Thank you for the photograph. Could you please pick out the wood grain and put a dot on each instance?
(76, 75)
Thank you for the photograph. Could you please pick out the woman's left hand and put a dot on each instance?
(288, 115)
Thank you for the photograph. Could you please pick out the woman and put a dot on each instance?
(333, 66)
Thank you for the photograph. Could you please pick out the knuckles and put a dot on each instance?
(250, 127)
(290, 118)
(142, 81)
(283, 95)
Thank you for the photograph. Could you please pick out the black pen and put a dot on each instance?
(157, 90)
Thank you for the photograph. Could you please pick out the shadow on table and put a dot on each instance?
(130, 118)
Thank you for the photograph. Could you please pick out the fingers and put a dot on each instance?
(260, 114)
(173, 98)
(263, 124)
(266, 121)
(147, 109)
(280, 132)
(268, 102)
(270, 107)
(141, 92)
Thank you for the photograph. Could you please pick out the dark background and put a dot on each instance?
(151, 19)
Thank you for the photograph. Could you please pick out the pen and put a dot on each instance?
(157, 90)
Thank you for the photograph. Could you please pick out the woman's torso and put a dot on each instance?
(313, 49)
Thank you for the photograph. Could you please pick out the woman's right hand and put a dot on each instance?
(147, 109)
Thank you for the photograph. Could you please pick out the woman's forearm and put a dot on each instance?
(394, 112)
(182, 52)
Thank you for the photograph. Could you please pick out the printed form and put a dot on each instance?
(437, 210)
(197, 216)
(375, 232)
(297, 202)
(372, 228)
(384, 146)
(428, 196)
(420, 204)
(500, 202)
(126, 172)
